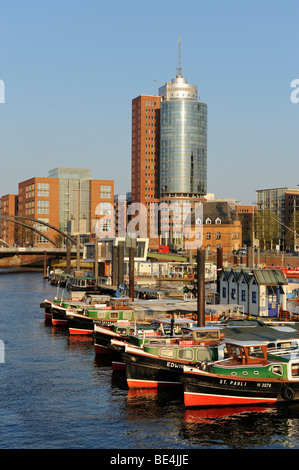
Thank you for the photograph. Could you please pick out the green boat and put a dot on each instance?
(55, 310)
(160, 363)
(252, 374)
(117, 309)
(113, 340)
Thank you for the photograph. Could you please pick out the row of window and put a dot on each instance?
(243, 295)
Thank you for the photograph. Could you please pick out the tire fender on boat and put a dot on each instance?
(288, 393)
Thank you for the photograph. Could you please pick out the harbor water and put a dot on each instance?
(55, 393)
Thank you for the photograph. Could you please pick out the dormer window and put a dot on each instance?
(218, 221)
(208, 221)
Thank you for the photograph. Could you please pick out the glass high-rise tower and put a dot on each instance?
(183, 140)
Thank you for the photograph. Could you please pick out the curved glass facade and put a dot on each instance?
(183, 147)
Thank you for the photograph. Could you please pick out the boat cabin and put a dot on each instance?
(201, 334)
(247, 352)
(120, 303)
(171, 326)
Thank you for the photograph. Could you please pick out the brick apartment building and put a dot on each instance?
(8, 230)
(220, 227)
(246, 215)
(67, 199)
(145, 154)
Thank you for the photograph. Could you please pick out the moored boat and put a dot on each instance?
(55, 310)
(251, 375)
(118, 308)
(160, 363)
(157, 331)
(123, 331)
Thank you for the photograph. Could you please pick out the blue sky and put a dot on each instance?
(71, 69)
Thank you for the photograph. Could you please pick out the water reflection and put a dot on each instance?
(223, 427)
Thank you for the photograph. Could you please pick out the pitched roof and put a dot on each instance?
(267, 277)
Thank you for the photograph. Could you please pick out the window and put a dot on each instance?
(208, 236)
(254, 297)
(105, 225)
(42, 227)
(218, 235)
(43, 207)
(224, 292)
(243, 295)
(218, 221)
(295, 370)
(43, 189)
(234, 294)
(167, 352)
(186, 354)
(106, 192)
(277, 369)
(127, 315)
(105, 208)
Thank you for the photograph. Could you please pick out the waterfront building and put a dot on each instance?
(38, 198)
(219, 227)
(8, 230)
(246, 214)
(183, 141)
(145, 156)
(284, 202)
(183, 150)
(259, 292)
(169, 154)
(68, 199)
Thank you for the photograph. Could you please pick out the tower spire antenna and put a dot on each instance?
(179, 67)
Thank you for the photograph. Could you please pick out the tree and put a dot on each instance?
(267, 228)
(292, 231)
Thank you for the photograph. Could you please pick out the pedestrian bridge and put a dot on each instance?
(20, 250)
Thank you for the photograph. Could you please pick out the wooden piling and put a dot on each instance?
(200, 287)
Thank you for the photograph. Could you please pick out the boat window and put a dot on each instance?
(277, 369)
(122, 331)
(114, 315)
(101, 314)
(127, 315)
(289, 344)
(186, 353)
(256, 351)
(167, 352)
(235, 351)
(187, 333)
(207, 335)
(203, 355)
(295, 370)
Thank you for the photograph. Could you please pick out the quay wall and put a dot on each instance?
(268, 259)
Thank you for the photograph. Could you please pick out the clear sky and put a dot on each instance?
(71, 69)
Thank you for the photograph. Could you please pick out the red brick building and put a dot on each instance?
(8, 230)
(68, 199)
(145, 154)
